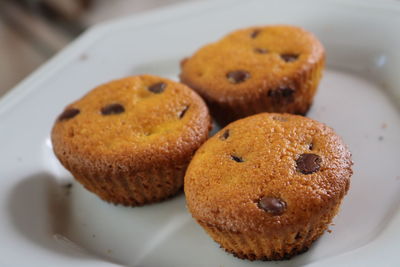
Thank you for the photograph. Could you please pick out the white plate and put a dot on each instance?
(44, 223)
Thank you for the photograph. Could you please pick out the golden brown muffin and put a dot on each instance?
(130, 140)
(267, 186)
(258, 69)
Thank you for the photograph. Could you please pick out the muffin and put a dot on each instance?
(258, 69)
(129, 141)
(267, 186)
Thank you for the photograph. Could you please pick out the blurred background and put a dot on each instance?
(31, 31)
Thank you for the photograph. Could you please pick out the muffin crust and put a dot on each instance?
(130, 140)
(258, 69)
(277, 199)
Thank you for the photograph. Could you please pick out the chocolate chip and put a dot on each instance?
(289, 57)
(261, 50)
(281, 91)
(298, 236)
(183, 112)
(225, 135)
(255, 33)
(157, 88)
(286, 92)
(236, 158)
(68, 114)
(237, 76)
(308, 163)
(272, 205)
(112, 109)
(311, 146)
(282, 95)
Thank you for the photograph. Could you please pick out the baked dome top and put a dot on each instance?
(267, 173)
(252, 61)
(136, 121)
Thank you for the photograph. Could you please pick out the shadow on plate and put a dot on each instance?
(40, 211)
(57, 216)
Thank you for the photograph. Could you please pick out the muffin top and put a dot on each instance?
(137, 121)
(267, 171)
(252, 61)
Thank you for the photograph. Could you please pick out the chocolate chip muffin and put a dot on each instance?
(129, 141)
(258, 69)
(267, 186)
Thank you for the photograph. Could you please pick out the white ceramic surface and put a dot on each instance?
(46, 223)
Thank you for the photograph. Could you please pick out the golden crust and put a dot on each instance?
(206, 71)
(150, 136)
(223, 194)
(276, 246)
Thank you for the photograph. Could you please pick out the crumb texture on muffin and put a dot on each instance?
(121, 138)
(273, 68)
(280, 196)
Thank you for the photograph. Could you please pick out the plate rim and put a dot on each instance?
(14, 96)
